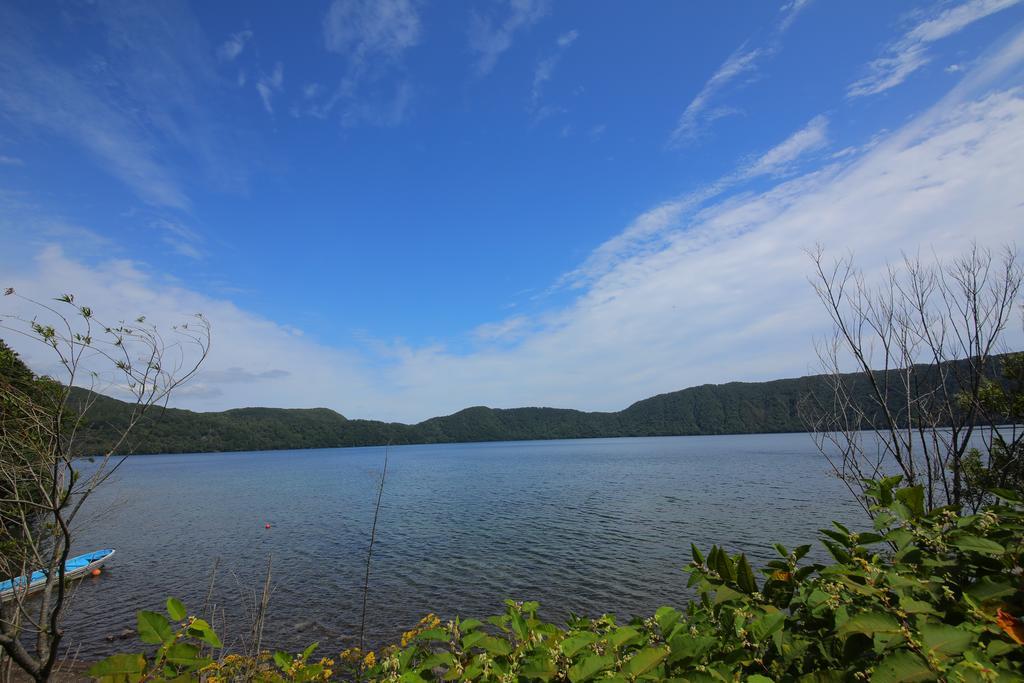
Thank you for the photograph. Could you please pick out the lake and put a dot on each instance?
(584, 526)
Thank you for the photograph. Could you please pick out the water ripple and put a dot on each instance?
(586, 527)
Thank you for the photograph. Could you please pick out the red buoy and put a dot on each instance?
(266, 526)
(95, 572)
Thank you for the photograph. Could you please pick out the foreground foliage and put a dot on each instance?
(923, 597)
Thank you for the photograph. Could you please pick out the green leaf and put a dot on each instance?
(724, 566)
(202, 630)
(437, 659)
(781, 550)
(725, 594)
(153, 628)
(435, 634)
(902, 667)
(519, 626)
(176, 609)
(471, 639)
(685, 646)
(472, 671)
(867, 538)
(573, 644)
(645, 660)
(667, 617)
(913, 498)
(912, 606)
(182, 654)
(901, 537)
(470, 624)
(283, 660)
(745, 576)
(767, 625)
(976, 544)
(943, 640)
(1007, 495)
(129, 667)
(590, 666)
(989, 588)
(623, 636)
(758, 678)
(540, 666)
(496, 646)
(869, 623)
(697, 556)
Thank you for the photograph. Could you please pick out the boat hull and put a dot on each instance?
(74, 568)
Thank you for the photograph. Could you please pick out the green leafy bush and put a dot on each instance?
(921, 597)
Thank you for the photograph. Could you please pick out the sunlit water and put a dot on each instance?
(584, 526)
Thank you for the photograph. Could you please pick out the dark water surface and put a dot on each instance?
(584, 526)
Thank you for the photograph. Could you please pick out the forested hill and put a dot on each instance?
(733, 408)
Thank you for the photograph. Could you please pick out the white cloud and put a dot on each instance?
(910, 53)
(59, 101)
(373, 37)
(237, 373)
(789, 12)
(543, 72)
(509, 329)
(134, 102)
(647, 233)
(743, 61)
(10, 161)
(231, 48)
(361, 29)
(694, 116)
(388, 110)
(269, 85)
(180, 238)
(490, 37)
(777, 160)
(568, 38)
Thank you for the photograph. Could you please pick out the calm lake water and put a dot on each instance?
(583, 526)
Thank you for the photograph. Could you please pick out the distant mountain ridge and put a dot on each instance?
(732, 408)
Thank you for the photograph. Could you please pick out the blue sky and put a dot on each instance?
(397, 209)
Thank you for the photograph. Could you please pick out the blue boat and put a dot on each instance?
(74, 568)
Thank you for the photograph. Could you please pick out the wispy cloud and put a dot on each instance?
(10, 161)
(373, 36)
(490, 36)
(507, 330)
(651, 231)
(269, 85)
(789, 12)
(180, 238)
(697, 113)
(138, 104)
(388, 109)
(568, 38)
(779, 159)
(908, 54)
(365, 29)
(42, 94)
(543, 72)
(231, 48)
(701, 110)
